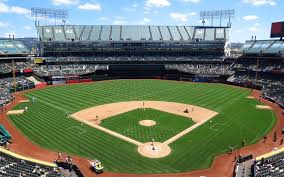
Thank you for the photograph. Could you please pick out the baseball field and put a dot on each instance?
(111, 133)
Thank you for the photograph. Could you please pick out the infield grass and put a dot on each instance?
(46, 124)
(167, 125)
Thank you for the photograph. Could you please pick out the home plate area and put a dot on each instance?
(154, 150)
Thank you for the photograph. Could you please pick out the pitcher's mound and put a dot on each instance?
(159, 150)
(147, 123)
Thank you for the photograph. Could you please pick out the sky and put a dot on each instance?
(252, 17)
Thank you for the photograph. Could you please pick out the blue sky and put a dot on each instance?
(253, 17)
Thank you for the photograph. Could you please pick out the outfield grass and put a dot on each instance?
(167, 125)
(45, 123)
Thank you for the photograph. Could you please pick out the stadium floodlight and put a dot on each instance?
(46, 13)
(217, 14)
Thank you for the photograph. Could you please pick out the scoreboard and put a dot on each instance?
(277, 30)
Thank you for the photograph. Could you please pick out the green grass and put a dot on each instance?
(45, 123)
(167, 125)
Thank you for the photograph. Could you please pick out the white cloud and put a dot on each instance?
(65, 2)
(135, 5)
(120, 22)
(239, 31)
(144, 21)
(90, 6)
(132, 8)
(260, 2)
(253, 29)
(181, 17)
(157, 3)
(103, 19)
(128, 9)
(250, 17)
(4, 24)
(13, 9)
(192, 1)
(27, 27)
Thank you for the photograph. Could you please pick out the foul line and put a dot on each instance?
(186, 131)
(125, 138)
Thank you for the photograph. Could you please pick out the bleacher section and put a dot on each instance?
(134, 58)
(215, 69)
(270, 165)
(272, 88)
(74, 69)
(7, 87)
(11, 166)
(262, 65)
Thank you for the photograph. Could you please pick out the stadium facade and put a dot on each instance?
(87, 40)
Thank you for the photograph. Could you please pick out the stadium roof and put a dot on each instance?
(130, 33)
(12, 47)
(263, 46)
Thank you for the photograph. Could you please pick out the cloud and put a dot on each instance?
(132, 8)
(144, 21)
(65, 2)
(103, 19)
(192, 1)
(181, 17)
(250, 17)
(13, 9)
(4, 24)
(239, 31)
(260, 2)
(90, 6)
(157, 3)
(253, 29)
(28, 27)
(120, 22)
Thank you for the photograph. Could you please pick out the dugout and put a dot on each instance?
(4, 134)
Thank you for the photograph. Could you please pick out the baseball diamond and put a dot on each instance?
(144, 88)
(238, 119)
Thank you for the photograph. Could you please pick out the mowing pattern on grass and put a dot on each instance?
(46, 124)
(167, 125)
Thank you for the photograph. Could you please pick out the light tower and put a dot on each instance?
(217, 14)
(60, 15)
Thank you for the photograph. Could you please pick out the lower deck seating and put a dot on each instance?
(13, 167)
(270, 167)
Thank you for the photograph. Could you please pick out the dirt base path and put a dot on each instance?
(198, 114)
(222, 165)
(92, 116)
